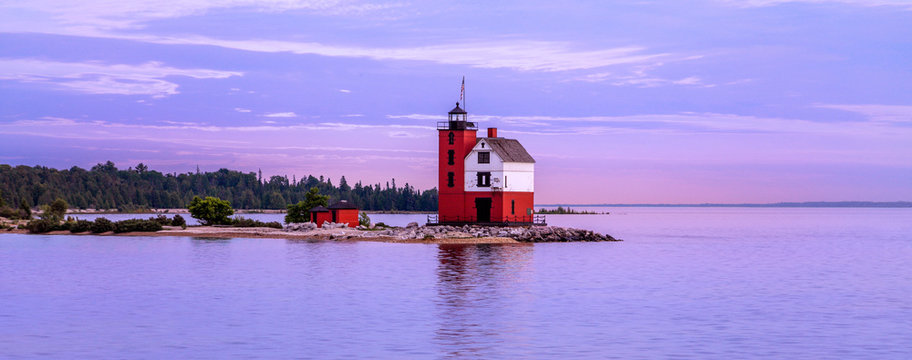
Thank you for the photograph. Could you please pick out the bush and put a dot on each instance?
(54, 211)
(161, 220)
(245, 222)
(102, 225)
(211, 210)
(300, 212)
(136, 225)
(44, 225)
(179, 221)
(12, 214)
(364, 220)
(26, 210)
(79, 226)
(58, 207)
(297, 213)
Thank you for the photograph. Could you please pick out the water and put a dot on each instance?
(709, 283)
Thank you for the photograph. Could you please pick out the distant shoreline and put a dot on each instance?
(810, 204)
(236, 211)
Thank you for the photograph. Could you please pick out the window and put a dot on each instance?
(484, 179)
(451, 154)
(484, 157)
(505, 181)
(450, 179)
(513, 207)
(452, 137)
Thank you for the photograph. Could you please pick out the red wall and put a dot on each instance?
(451, 199)
(320, 217)
(349, 216)
(500, 205)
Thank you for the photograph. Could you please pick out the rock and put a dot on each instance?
(307, 226)
(411, 225)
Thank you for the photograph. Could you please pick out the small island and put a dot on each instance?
(568, 211)
(216, 222)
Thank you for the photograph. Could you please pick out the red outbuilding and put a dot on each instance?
(320, 214)
(340, 212)
(344, 212)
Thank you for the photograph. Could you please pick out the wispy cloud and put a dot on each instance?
(642, 76)
(100, 78)
(868, 3)
(345, 91)
(197, 139)
(241, 110)
(690, 123)
(523, 55)
(125, 20)
(107, 14)
(105, 126)
(875, 112)
(405, 134)
(288, 114)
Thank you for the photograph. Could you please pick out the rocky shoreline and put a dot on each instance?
(413, 231)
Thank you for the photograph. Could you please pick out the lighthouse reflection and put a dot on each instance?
(479, 288)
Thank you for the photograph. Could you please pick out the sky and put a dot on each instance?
(700, 101)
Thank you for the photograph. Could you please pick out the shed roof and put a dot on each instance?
(319, 209)
(343, 205)
(509, 150)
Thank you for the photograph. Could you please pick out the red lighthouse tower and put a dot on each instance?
(456, 137)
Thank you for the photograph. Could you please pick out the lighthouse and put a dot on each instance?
(482, 180)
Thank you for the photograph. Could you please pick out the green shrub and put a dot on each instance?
(364, 220)
(161, 219)
(300, 212)
(79, 226)
(245, 222)
(136, 225)
(44, 225)
(26, 210)
(211, 210)
(101, 225)
(54, 211)
(179, 221)
(12, 214)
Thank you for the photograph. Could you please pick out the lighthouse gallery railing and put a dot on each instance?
(537, 219)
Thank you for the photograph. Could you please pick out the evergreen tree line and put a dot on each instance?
(105, 186)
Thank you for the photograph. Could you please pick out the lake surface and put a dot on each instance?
(707, 283)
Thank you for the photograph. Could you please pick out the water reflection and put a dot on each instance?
(209, 252)
(478, 288)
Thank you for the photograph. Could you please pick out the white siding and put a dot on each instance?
(510, 176)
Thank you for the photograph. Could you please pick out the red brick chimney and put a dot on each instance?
(492, 132)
